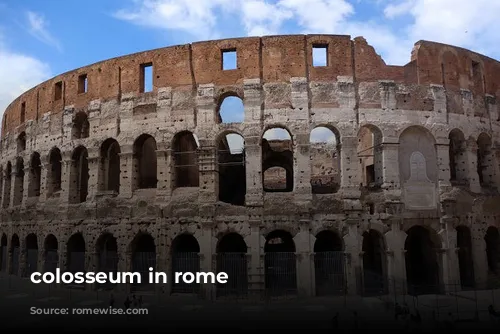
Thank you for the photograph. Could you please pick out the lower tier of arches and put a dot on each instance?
(275, 259)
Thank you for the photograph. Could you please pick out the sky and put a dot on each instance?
(40, 39)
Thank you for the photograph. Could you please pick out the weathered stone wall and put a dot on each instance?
(411, 110)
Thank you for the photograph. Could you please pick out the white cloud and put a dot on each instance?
(38, 28)
(19, 73)
(472, 25)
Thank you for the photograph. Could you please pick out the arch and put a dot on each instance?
(374, 263)
(232, 260)
(55, 172)
(185, 155)
(81, 126)
(185, 258)
(51, 254)
(21, 142)
(325, 160)
(107, 255)
(31, 254)
(418, 166)
(485, 163)
(35, 175)
(143, 252)
(231, 167)
(465, 260)
(422, 266)
(75, 250)
(145, 161)
(15, 250)
(277, 151)
(492, 240)
(280, 264)
(110, 165)
(230, 109)
(7, 185)
(19, 182)
(79, 173)
(329, 264)
(370, 156)
(459, 169)
(4, 258)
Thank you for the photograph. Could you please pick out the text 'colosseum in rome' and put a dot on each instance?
(343, 177)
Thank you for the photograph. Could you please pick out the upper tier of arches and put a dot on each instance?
(261, 58)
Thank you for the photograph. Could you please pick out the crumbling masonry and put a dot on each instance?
(101, 173)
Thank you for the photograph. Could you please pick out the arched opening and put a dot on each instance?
(329, 264)
(55, 169)
(325, 160)
(280, 264)
(277, 160)
(185, 154)
(232, 260)
(110, 166)
(459, 172)
(231, 110)
(21, 142)
(79, 175)
(492, 239)
(76, 253)
(145, 162)
(374, 266)
(185, 258)
(5, 253)
(31, 254)
(107, 255)
(422, 267)
(19, 182)
(485, 165)
(15, 250)
(232, 174)
(465, 263)
(6, 188)
(370, 156)
(143, 257)
(81, 126)
(51, 260)
(35, 175)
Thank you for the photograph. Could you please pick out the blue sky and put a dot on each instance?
(39, 39)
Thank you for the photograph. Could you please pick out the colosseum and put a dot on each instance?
(134, 162)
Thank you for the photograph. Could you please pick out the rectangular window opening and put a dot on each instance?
(146, 78)
(229, 59)
(82, 84)
(320, 55)
(58, 87)
(23, 112)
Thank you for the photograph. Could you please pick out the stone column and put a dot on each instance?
(206, 258)
(44, 178)
(68, 181)
(479, 258)
(303, 244)
(253, 161)
(16, 188)
(62, 251)
(352, 252)
(390, 158)
(5, 189)
(164, 175)
(126, 171)
(302, 168)
(256, 270)
(471, 152)
(396, 264)
(349, 165)
(495, 157)
(22, 259)
(443, 163)
(94, 173)
(91, 265)
(208, 166)
(26, 183)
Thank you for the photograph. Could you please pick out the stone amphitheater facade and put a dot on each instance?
(101, 174)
